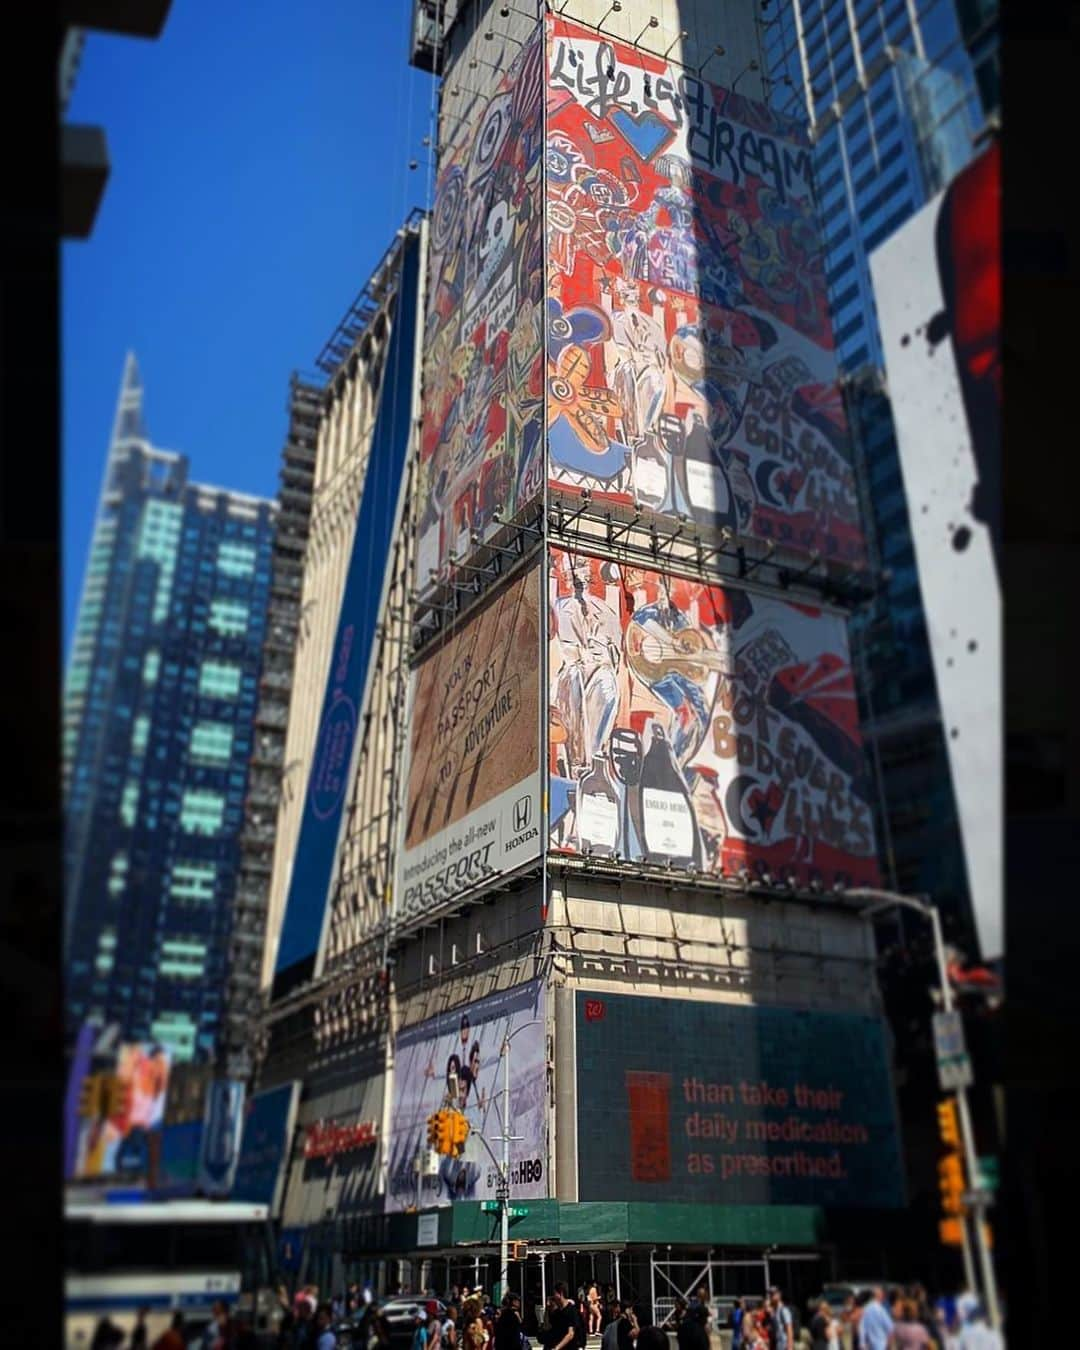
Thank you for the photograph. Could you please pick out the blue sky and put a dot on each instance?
(260, 159)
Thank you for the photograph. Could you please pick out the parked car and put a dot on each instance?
(835, 1295)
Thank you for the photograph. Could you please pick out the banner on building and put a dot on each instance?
(182, 1130)
(266, 1145)
(481, 458)
(473, 795)
(220, 1150)
(130, 1105)
(307, 902)
(455, 1060)
(937, 286)
(724, 1104)
(690, 360)
(703, 728)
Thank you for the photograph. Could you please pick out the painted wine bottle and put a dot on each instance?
(650, 474)
(598, 812)
(704, 479)
(667, 816)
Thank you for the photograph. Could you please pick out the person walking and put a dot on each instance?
(735, 1323)
(875, 1323)
(592, 1300)
(781, 1322)
(449, 1327)
(908, 1331)
(508, 1326)
(693, 1333)
(324, 1319)
(173, 1338)
(420, 1330)
(977, 1333)
(564, 1320)
(621, 1331)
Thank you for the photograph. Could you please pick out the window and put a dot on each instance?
(889, 158)
(887, 226)
(211, 742)
(201, 811)
(151, 666)
(229, 617)
(840, 270)
(219, 679)
(848, 329)
(182, 959)
(129, 803)
(117, 874)
(236, 560)
(140, 730)
(193, 881)
(176, 1032)
(851, 293)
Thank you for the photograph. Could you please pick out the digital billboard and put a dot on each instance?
(703, 728)
(266, 1146)
(117, 1139)
(473, 784)
(720, 1103)
(306, 904)
(481, 457)
(690, 360)
(937, 286)
(455, 1060)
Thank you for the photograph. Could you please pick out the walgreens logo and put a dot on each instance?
(325, 1139)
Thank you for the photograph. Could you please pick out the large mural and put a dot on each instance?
(481, 451)
(702, 728)
(690, 364)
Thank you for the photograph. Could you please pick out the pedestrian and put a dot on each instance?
(476, 1336)
(977, 1333)
(781, 1323)
(621, 1331)
(563, 1321)
(449, 1327)
(735, 1322)
(303, 1332)
(875, 1323)
(652, 1338)
(324, 1336)
(434, 1324)
(693, 1333)
(138, 1335)
(173, 1338)
(420, 1330)
(592, 1301)
(508, 1327)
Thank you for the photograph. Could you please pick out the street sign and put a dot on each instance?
(953, 1063)
(518, 1211)
(514, 1211)
(489, 1206)
(977, 1199)
(989, 1175)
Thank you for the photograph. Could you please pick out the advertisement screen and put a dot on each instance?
(720, 1103)
(327, 785)
(265, 1146)
(473, 798)
(937, 285)
(221, 1136)
(481, 454)
(119, 1142)
(454, 1060)
(703, 728)
(690, 357)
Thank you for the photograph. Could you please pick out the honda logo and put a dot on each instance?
(522, 814)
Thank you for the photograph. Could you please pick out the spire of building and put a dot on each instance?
(129, 408)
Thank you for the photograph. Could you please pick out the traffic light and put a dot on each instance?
(459, 1132)
(948, 1127)
(444, 1138)
(518, 1251)
(433, 1131)
(950, 1233)
(951, 1184)
(90, 1096)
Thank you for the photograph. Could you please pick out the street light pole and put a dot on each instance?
(504, 1169)
(886, 900)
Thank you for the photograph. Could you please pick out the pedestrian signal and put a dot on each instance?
(518, 1251)
(948, 1128)
(950, 1232)
(951, 1184)
(459, 1132)
(90, 1096)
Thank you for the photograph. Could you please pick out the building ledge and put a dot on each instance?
(84, 169)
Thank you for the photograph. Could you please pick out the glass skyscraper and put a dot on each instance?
(894, 111)
(159, 703)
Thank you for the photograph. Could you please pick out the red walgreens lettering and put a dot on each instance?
(327, 1140)
(594, 1010)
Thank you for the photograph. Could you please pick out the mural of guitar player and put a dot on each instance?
(690, 361)
(703, 728)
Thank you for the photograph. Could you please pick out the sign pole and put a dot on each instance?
(504, 1186)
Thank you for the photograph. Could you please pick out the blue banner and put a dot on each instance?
(264, 1146)
(178, 1165)
(320, 827)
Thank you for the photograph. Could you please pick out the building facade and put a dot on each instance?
(159, 705)
(631, 796)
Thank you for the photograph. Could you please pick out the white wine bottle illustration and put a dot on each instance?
(598, 812)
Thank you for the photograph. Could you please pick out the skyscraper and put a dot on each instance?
(159, 702)
(891, 99)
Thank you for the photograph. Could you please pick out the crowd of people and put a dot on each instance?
(895, 1319)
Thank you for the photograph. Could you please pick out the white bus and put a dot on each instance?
(168, 1257)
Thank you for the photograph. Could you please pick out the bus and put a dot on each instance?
(166, 1256)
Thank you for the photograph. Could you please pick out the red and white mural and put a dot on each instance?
(690, 364)
(702, 728)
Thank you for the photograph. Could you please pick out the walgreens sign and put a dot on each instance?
(325, 1139)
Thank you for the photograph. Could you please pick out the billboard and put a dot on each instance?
(703, 728)
(182, 1130)
(473, 781)
(266, 1146)
(481, 457)
(455, 1060)
(690, 359)
(306, 903)
(119, 1141)
(937, 286)
(720, 1103)
(220, 1148)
